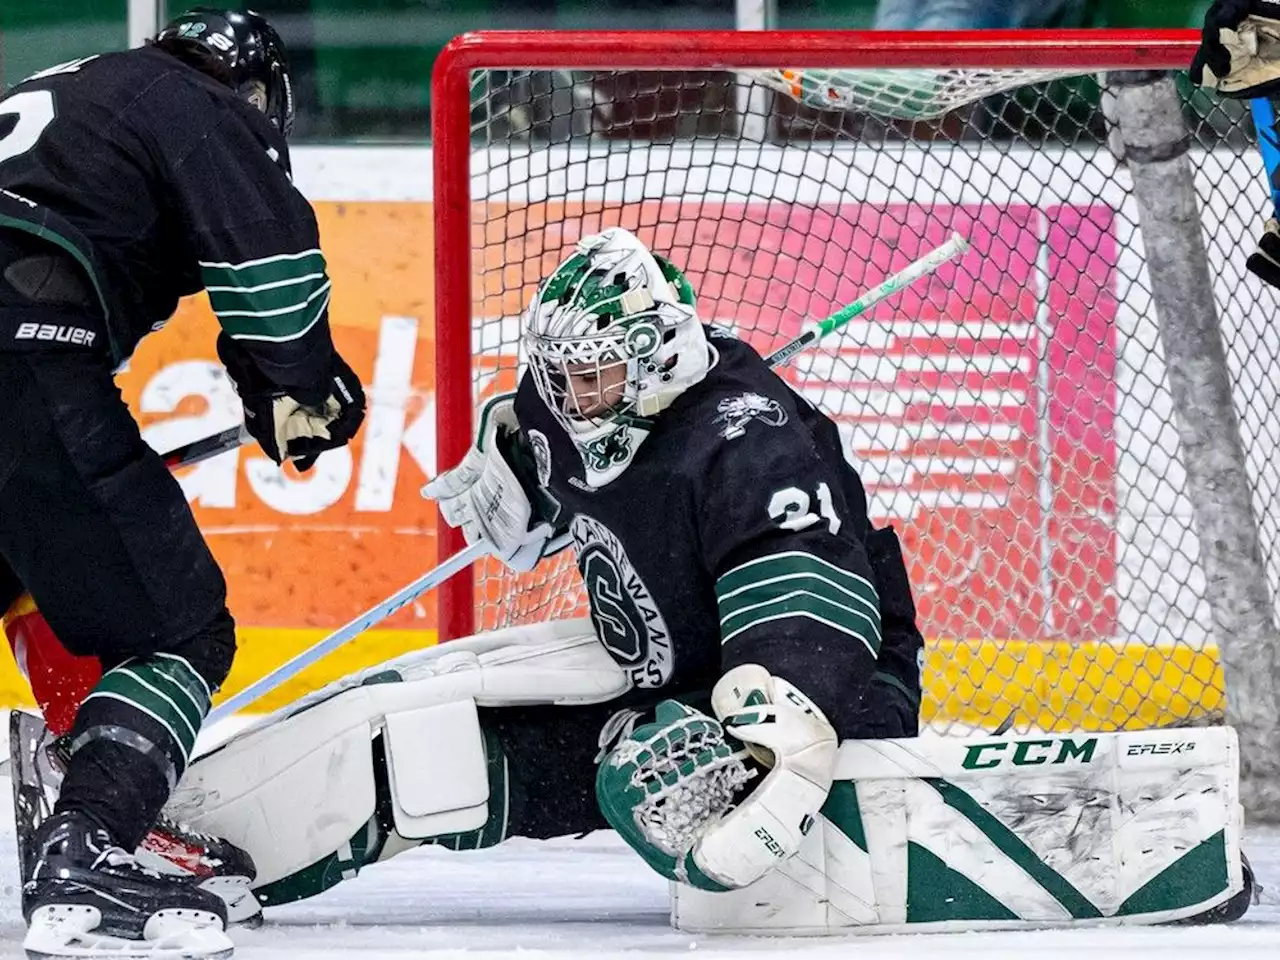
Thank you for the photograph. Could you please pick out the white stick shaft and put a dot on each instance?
(814, 332)
(374, 615)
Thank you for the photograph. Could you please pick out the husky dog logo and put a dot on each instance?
(737, 412)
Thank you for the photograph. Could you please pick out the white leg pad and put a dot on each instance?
(1004, 833)
(297, 785)
(289, 794)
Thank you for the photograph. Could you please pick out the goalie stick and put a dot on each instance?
(810, 335)
(1264, 125)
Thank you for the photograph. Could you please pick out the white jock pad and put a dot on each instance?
(300, 784)
(786, 732)
(484, 497)
(1004, 832)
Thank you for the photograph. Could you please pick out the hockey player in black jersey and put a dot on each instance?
(722, 537)
(127, 181)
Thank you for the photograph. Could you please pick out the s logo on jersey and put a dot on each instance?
(737, 412)
(627, 620)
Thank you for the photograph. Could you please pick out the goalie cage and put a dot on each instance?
(1073, 426)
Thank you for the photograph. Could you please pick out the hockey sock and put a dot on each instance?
(131, 741)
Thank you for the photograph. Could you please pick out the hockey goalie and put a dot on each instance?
(742, 703)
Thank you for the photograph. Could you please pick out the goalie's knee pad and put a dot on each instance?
(387, 759)
(405, 814)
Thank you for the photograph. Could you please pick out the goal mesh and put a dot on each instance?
(1012, 415)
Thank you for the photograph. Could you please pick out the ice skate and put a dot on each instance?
(86, 897)
(1235, 908)
(219, 866)
(170, 848)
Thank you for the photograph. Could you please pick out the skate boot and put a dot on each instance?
(1235, 908)
(218, 865)
(39, 760)
(86, 897)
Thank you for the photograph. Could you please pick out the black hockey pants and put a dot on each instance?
(93, 525)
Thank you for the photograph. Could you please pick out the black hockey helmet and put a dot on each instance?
(240, 49)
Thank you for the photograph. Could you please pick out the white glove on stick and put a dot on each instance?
(784, 730)
(484, 497)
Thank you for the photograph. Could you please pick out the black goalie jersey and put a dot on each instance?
(160, 181)
(739, 534)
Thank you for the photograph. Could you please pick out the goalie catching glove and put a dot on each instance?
(295, 424)
(677, 790)
(491, 493)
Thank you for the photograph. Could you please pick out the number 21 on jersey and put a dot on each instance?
(790, 507)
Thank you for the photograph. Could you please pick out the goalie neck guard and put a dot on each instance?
(240, 49)
(613, 337)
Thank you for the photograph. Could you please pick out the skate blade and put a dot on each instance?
(67, 931)
(243, 909)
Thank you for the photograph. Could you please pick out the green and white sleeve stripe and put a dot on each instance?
(273, 298)
(798, 584)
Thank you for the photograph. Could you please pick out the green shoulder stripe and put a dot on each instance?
(797, 584)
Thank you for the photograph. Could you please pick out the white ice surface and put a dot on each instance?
(592, 898)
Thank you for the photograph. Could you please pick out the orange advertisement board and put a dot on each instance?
(304, 553)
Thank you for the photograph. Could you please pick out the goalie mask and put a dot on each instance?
(612, 339)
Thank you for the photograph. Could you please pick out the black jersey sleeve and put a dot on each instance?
(254, 235)
(795, 590)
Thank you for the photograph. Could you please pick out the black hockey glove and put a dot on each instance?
(1264, 262)
(296, 425)
(1239, 54)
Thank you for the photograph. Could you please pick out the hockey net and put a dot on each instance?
(1012, 416)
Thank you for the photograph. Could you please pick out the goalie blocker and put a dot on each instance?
(482, 739)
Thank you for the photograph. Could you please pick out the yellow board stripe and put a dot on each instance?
(19, 608)
(969, 684)
(1060, 686)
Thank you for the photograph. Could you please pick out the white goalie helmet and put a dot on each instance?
(612, 338)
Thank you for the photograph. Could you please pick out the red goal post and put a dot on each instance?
(1086, 600)
(451, 136)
